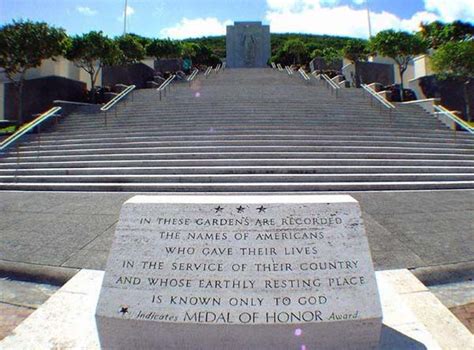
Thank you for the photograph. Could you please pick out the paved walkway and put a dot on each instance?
(405, 229)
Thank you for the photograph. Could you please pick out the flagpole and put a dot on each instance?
(368, 18)
(125, 18)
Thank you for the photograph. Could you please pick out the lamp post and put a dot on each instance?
(125, 18)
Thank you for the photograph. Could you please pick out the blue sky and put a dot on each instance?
(193, 18)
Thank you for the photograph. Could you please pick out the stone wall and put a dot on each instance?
(319, 63)
(450, 92)
(137, 74)
(369, 72)
(169, 65)
(39, 94)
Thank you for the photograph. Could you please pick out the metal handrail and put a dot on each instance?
(289, 70)
(117, 98)
(28, 127)
(447, 113)
(303, 74)
(280, 68)
(379, 98)
(208, 71)
(218, 68)
(165, 84)
(273, 65)
(193, 75)
(330, 82)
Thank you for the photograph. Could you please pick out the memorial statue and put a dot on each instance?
(249, 50)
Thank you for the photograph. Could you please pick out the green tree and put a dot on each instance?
(24, 45)
(295, 50)
(356, 50)
(92, 51)
(438, 33)
(205, 55)
(189, 49)
(144, 41)
(401, 46)
(132, 50)
(167, 48)
(456, 60)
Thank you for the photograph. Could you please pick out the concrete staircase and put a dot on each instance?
(244, 130)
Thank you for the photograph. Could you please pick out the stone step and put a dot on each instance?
(238, 169)
(237, 155)
(108, 145)
(223, 149)
(240, 129)
(238, 139)
(239, 187)
(262, 123)
(238, 178)
(237, 162)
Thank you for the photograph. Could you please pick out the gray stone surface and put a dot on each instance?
(255, 267)
(412, 318)
(247, 45)
(407, 242)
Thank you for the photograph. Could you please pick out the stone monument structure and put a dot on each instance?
(247, 45)
(239, 272)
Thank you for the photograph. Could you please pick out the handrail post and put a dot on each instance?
(39, 140)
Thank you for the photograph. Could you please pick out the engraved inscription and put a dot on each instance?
(241, 263)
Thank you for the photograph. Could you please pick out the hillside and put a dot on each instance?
(217, 43)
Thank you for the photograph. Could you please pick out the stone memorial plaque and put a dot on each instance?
(240, 272)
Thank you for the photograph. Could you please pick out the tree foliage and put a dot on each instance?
(438, 33)
(23, 45)
(293, 51)
(166, 48)
(132, 51)
(456, 60)
(401, 46)
(91, 51)
(189, 49)
(356, 50)
(330, 55)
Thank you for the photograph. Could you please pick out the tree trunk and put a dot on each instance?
(466, 101)
(401, 83)
(19, 98)
(92, 92)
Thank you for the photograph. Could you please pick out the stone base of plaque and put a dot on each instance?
(131, 334)
(413, 318)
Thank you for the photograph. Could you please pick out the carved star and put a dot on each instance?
(218, 209)
(123, 310)
(240, 209)
(261, 209)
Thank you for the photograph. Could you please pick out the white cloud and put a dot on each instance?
(129, 11)
(196, 27)
(451, 10)
(316, 17)
(86, 11)
(413, 24)
(359, 2)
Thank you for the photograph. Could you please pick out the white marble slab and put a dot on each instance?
(250, 268)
